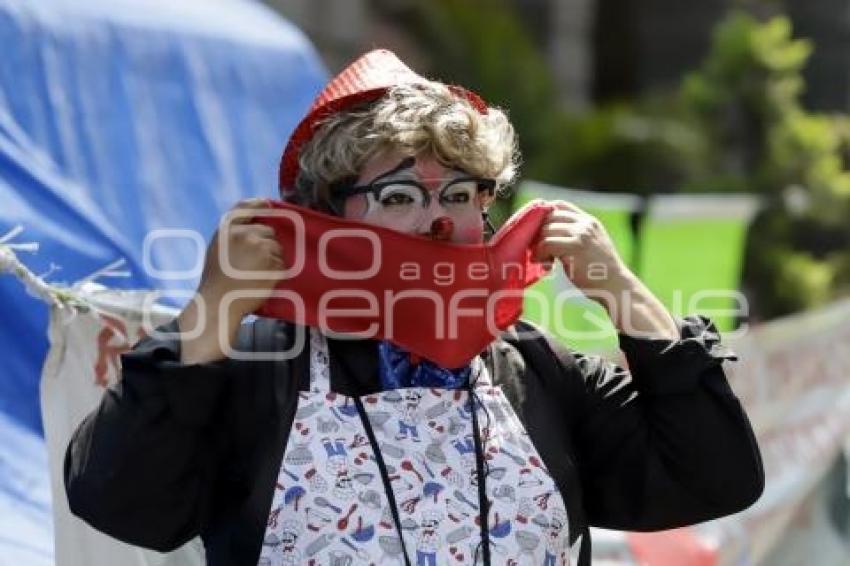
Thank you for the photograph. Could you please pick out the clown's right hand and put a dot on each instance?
(223, 297)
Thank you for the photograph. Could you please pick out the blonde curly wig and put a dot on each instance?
(422, 118)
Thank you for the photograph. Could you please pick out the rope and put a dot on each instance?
(35, 285)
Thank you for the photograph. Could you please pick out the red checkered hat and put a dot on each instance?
(367, 78)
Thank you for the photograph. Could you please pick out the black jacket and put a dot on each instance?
(176, 451)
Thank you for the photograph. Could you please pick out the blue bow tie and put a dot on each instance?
(397, 370)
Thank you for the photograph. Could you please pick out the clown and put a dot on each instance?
(390, 165)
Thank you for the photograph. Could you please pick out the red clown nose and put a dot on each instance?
(442, 228)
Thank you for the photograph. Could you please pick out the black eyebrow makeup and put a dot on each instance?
(406, 163)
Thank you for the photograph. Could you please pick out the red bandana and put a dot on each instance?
(441, 301)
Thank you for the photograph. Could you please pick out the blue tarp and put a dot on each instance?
(118, 117)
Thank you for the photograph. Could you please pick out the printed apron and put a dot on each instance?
(331, 504)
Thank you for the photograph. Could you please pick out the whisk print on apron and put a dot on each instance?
(419, 476)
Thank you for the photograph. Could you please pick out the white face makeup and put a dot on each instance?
(411, 193)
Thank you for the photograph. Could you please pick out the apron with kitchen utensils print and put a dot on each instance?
(331, 504)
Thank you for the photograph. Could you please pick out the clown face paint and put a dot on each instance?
(448, 209)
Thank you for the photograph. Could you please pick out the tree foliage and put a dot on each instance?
(746, 103)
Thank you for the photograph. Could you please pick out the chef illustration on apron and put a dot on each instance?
(399, 477)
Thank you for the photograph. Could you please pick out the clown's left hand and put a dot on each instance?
(583, 246)
(592, 263)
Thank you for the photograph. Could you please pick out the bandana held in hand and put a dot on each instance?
(355, 278)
